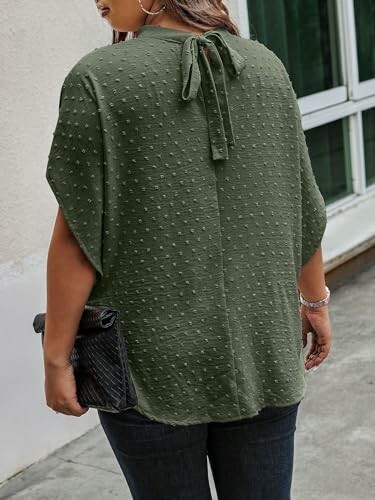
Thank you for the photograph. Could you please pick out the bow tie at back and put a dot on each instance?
(197, 71)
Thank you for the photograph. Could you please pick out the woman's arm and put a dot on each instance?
(311, 281)
(70, 278)
(311, 284)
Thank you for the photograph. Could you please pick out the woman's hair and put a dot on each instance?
(197, 13)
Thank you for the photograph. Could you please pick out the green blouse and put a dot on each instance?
(188, 185)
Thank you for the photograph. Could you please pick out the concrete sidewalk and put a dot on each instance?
(335, 438)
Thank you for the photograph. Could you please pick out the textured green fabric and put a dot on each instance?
(191, 192)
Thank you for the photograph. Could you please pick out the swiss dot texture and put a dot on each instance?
(188, 185)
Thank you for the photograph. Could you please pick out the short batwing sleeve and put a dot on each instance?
(313, 208)
(75, 163)
(314, 215)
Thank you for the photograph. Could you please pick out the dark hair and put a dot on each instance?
(197, 13)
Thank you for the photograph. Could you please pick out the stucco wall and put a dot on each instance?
(40, 42)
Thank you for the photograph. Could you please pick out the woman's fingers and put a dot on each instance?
(71, 408)
(60, 391)
(67, 407)
(317, 355)
(313, 346)
(320, 356)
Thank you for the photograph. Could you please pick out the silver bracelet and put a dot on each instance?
(318, 303)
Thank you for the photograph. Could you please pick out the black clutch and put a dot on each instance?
(99, 360)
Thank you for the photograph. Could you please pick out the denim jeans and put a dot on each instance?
(250, 459)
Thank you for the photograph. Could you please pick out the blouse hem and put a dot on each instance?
(208, 419)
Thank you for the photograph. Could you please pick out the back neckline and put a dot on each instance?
(167, 33)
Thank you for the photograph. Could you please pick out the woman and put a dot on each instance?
(188, 202)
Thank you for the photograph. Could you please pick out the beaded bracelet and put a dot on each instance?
(318, 303)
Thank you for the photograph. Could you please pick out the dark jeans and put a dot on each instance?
(251, 458)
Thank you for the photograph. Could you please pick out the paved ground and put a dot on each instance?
(335, 439)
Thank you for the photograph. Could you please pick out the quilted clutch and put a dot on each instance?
(99, 359)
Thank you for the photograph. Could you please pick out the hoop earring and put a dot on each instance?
(148, 12)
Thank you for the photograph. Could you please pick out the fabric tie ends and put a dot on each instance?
(197, 71)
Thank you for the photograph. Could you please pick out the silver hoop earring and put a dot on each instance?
(148, 12)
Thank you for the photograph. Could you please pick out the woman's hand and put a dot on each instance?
(60, 389)
(318, 323)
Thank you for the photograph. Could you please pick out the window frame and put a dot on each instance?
(345, 101)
